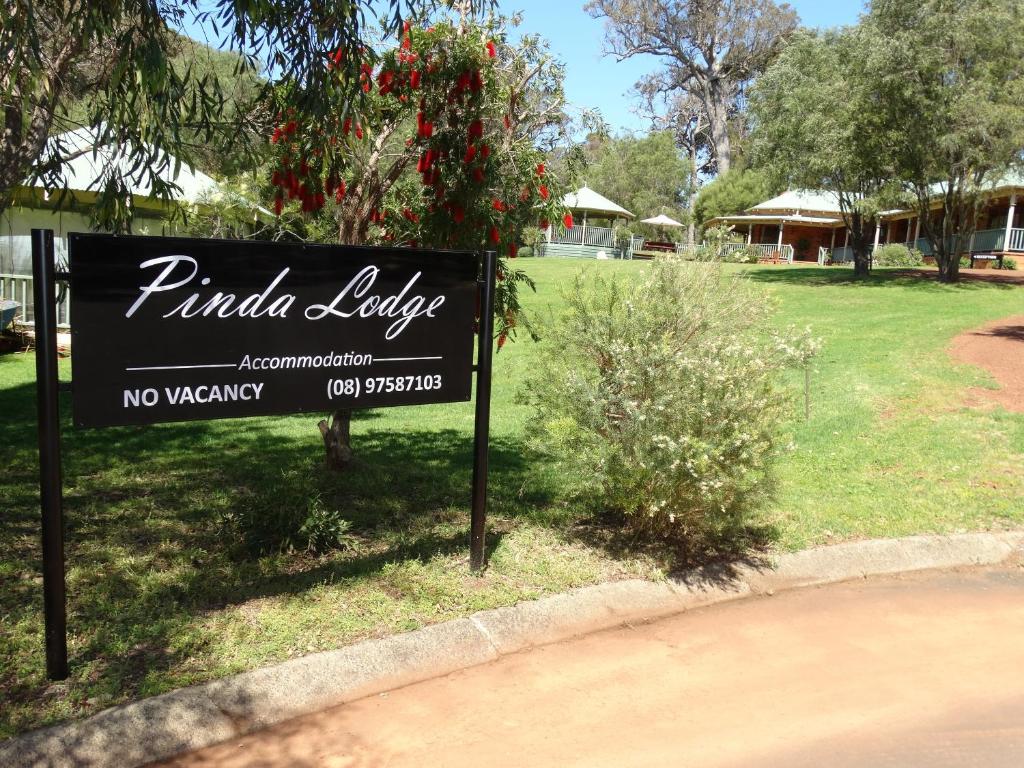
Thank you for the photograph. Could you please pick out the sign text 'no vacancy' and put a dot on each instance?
(177, 329)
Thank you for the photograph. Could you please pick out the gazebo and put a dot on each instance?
(584, 240)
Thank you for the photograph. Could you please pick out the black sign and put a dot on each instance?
(177, 329)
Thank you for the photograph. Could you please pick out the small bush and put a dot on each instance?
(1009, 263)
(663, 396)
(896, 255)
(291, 516)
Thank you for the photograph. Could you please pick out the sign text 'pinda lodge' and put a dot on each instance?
(208, 330)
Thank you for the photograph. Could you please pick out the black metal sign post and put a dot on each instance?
(481, 437)
(48, 406)
(181, 329)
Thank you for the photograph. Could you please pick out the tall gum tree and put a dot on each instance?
(817, 125)
(949, 77)
(710, 50)
(448, 151)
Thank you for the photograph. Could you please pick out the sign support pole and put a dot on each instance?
(483, 412)
(51, 501)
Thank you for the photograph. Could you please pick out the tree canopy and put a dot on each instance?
(733, 192)
(118, 59)
(647, 175)
(710, 50)
(958, 68)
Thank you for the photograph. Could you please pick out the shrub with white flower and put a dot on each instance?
(664, 395)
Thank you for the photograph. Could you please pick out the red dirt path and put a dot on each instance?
(998, 347)
(1004, 276)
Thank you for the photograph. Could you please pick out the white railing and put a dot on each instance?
(19, 288)
(775, 252)
(1016, 240)
(586, 235)
(824, 254)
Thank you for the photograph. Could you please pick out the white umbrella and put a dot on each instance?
(661, 220)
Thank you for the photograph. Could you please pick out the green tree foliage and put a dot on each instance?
(949, 80)
(732, 192)
(117, 57)
(711, 50)
(446, 152)
(818, 125)
(646, 175)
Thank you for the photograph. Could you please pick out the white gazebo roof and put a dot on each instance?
(661, 220)
(587, 200)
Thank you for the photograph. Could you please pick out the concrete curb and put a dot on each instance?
(152, 729)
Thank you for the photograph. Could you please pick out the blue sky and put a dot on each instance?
(596, 81)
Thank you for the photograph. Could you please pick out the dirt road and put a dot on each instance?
(926, 670)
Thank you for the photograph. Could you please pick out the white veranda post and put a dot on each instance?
(878, 234)
(583, 241)
(1009, 222)
(782, 224)
(750, 234)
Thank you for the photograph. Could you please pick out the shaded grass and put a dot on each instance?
(159, 599)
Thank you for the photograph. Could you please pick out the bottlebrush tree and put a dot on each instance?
(445, 149)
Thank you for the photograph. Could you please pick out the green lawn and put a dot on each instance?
(157, 600)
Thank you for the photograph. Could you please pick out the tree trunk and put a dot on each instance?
(861, 261)
(717, 106)
(949, 267)
(337, 439)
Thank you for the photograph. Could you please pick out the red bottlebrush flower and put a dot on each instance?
(290, 127)
(406, 43)
(428, 129)
(476, 82)
(513, 251)
(492, 50)
(543, 190)
(470, 154)
(476, 129)
(385, 78)
(499, 206)
(494, 235)
(458, 214)
(276, 136)
(544, 223)
(275, 178)
(339, 193)
(567, 220)
(359, 131)
(463, 81)
(338, 56)
(478, 175)
(502, 337)
(414, 79)
(346, 127)
(485, 151)
(540, 169)
(319, 200)
(406, 27)
(278, 205)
